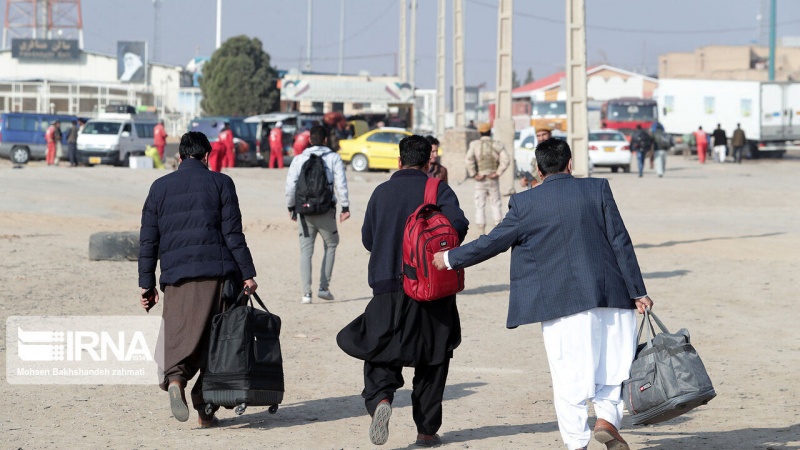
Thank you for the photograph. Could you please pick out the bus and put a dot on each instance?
(549, 114)
(624, 114)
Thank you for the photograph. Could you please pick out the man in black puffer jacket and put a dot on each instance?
(191, 221)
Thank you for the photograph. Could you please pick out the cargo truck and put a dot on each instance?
(769, 112)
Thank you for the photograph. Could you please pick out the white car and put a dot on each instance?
(609, 148)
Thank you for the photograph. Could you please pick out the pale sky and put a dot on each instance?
(625, 33)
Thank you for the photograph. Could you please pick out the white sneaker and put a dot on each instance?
(306, 299)
(326, 294)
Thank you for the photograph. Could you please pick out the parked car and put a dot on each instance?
(22, 135)
(609, 148)
(376, 149)
(114, 140)
(244, 136)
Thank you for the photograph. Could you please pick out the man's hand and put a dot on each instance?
(293, 216)
(438, 261)
(479, 177)
(492, 175)
(642, 303)
(344, 216)
(148, 301)
(250, 286)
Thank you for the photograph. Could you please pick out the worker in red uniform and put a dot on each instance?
(160, 138)
(301, 141)
(226, 137)
(701, 140)
(217, 155)
(276, 146)
(50, 138)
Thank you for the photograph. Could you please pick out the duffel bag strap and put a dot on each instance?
(244, 298)
(650, 330)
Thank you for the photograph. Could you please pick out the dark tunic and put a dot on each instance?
(396, 329)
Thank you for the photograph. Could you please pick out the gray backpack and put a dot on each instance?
(667, 377)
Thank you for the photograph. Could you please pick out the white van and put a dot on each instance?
(114, 140)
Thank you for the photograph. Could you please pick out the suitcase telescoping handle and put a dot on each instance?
(651, 332)
(244, 297)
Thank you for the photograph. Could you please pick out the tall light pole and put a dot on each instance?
(402, 50)
(341, 38)
(503, 123)
(577, 105)
(440, 68)
(458, 62)
(772, 14)
(219, 23)
(308, 36)
(412, 49)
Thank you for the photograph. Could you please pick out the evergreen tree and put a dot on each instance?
(238, 80)
(529, 76)
(514, 79)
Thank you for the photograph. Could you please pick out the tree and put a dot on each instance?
(529, 76)
(238, 80)
(514, 80)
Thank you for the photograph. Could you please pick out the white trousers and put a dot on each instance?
(720, 152)
(590, 355)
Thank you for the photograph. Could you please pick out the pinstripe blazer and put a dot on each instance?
(570, 251)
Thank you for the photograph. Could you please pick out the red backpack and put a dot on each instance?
(427, 232)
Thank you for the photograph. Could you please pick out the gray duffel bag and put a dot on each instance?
(667, 376)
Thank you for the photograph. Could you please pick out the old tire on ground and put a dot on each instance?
(114, 246)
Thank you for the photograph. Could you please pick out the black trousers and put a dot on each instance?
(382, 380)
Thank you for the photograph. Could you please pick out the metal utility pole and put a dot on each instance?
(219, 24)
(458, 62)
(42, 19)
(577, 115)
(341, 38)
(156, 30)
(308, 37)
(412, 49)
(440, 68)
(503, 123)
(402, 50)
(773, 7)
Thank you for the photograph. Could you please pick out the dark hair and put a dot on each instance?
(432, 140)
(638, 126)
(552, 156)
(415, 151)
(318, 135)
(194, 144)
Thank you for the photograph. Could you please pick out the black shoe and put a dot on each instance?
(424, 440)
(177, 401)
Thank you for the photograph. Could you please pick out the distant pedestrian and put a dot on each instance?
(436, 170)
(226, 138)
(641, 143)
(323, 223)
(701, 141)
(276, 146)
(51, 139)
(486, 160)
(471, 125)
(160, 138)
(72, 142)
(738, 142)
(720, 144)
(528, 180)
(661, 145)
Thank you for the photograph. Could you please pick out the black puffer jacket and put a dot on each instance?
(192, 222)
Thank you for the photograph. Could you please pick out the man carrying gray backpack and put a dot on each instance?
(310, 184)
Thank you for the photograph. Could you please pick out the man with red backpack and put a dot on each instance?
(395, 330)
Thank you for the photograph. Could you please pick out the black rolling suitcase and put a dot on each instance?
(245, 367)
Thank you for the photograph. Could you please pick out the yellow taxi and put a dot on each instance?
(376, 149)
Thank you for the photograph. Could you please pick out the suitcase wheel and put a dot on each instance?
(240, 409)
(273, 409)
(209, 409)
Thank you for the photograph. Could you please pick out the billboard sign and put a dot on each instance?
(132, 61)
(45, 49)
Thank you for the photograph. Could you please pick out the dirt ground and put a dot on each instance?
(718, 246)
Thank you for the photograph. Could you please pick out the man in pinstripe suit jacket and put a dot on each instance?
(573, 268)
